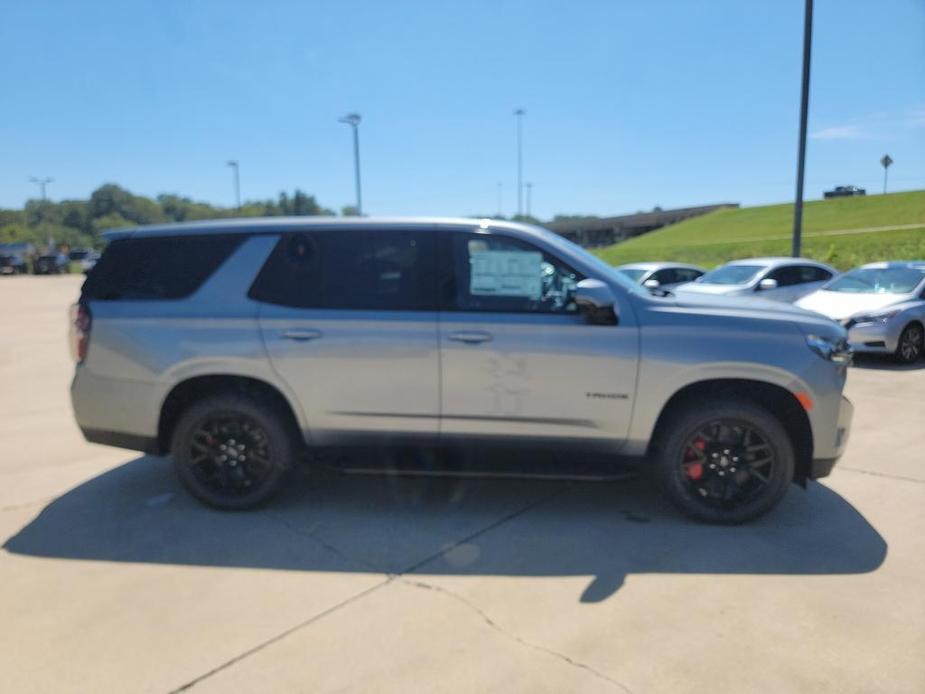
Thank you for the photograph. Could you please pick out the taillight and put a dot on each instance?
(80, 331)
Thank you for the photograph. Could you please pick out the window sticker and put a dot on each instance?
(505, 273)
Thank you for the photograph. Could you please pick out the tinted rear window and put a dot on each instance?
(386, 270)
(169, 267)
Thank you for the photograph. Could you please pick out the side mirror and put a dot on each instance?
(652, 284)
(766, 284)
(596, 300)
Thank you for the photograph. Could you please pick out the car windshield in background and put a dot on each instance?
(732, 274)
(878, 281)
(633, 273)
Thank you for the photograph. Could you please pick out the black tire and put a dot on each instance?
(255, 429)
(710, 474)
(911, 344)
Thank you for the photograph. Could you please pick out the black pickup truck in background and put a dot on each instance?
(12, 264)
(844, 192)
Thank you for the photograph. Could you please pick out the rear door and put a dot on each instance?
(348, 318)
(517, 359)
(811, 278)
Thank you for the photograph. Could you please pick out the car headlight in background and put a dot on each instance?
(874, 318)
(834, 350)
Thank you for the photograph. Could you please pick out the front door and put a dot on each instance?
(349, 322)
(518, 361)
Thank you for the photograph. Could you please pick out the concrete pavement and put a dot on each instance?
(112, 579)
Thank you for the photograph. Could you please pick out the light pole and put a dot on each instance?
(519, 114)
(804, 110)
(353, 120)
(529, 196)
(500, 198)
(237, 183)
(885, 163)
(41, 183)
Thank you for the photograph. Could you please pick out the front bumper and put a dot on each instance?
(822, 467)
(879, 338)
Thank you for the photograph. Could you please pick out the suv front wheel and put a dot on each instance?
(232, 451)
(911, 344)
(724, 461)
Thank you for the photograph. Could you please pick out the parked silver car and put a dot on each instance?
(881, 304)
(660, 275)
(237, 345)
(780, 279)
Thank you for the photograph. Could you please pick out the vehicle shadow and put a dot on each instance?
(878, 362)
(440, 526)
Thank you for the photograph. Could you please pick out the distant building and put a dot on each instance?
(604, 231)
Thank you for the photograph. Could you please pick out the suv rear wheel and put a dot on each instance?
(232, 451)
(724, 461)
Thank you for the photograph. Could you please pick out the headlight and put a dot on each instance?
(875, 318)
(836, 350)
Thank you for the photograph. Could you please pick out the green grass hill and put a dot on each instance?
(844, 232)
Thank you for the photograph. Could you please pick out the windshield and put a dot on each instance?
(732, 274)
(631, 272)
(878, 281)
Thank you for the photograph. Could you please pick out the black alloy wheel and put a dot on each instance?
(233, 451)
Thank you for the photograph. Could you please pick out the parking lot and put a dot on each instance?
(113, 579)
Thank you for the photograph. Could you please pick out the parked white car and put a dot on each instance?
(660, 275)
(881, 304)
(780, 279)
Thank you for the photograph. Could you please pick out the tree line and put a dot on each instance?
(78, 223)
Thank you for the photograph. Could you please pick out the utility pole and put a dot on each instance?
(237, 183)
(519, 114)
(804, 112)
(885, 163)
(41, 183)
(529, 196)
(353, 120)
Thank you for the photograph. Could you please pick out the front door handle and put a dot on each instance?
(301, 335)
(470, 337)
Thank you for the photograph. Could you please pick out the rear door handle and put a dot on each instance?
(470, 337)
(301, 335)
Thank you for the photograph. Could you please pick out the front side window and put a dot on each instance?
(499, 273)
(385, 270)
(666, 276)
(786, 276)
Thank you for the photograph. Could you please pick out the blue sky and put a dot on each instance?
(629, 104)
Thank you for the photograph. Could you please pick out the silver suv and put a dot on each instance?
(239, 345)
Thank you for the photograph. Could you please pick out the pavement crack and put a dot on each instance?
(282, 635)
(333, 549)
(389, 578)
(881, 474)
(512, 636)
(478, 533)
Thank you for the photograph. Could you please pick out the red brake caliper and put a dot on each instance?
(692, 463)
